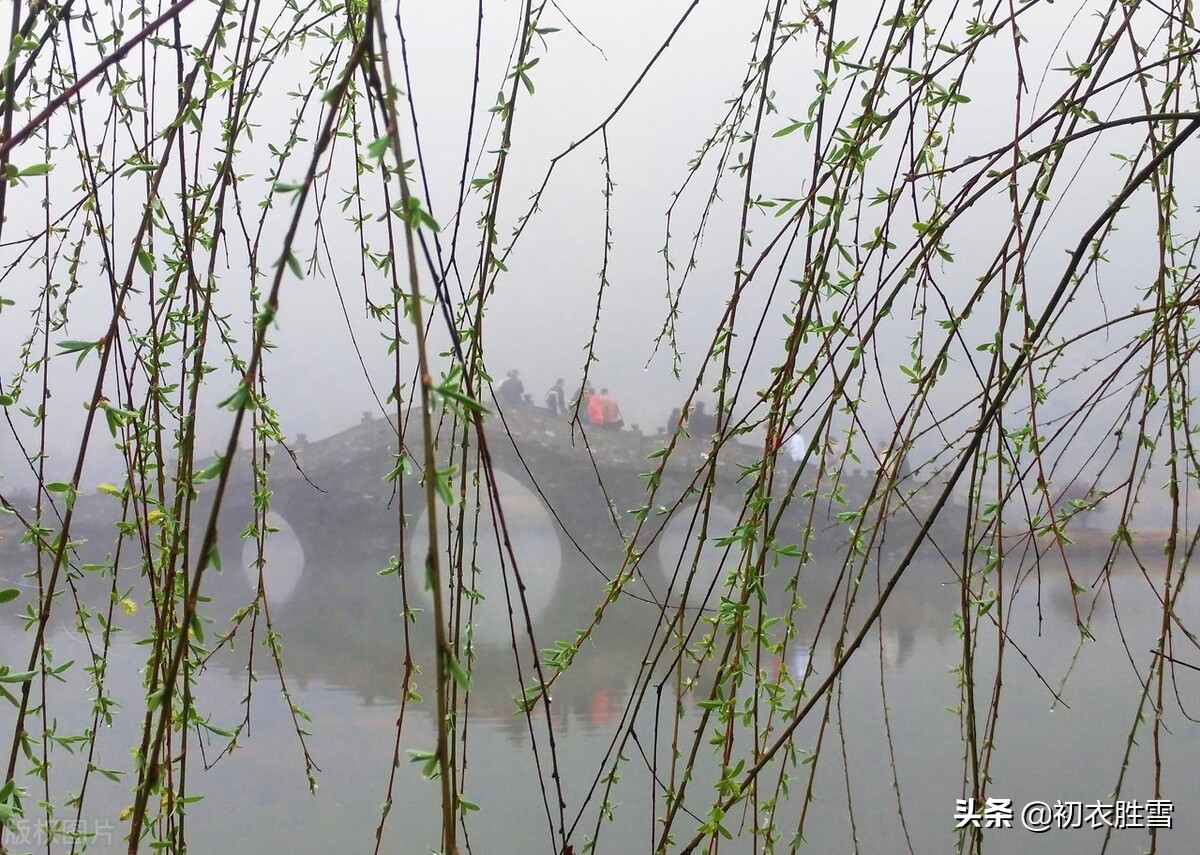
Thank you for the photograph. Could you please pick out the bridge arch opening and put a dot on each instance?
(534, 538)
(676, 550)
(284, 560)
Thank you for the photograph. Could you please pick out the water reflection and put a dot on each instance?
(488, 570)
(344, 644)
(689, 552)
(359, 638)
(283, 560)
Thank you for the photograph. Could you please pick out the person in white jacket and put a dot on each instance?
(797, 446)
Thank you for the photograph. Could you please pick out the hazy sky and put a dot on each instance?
(541, 313)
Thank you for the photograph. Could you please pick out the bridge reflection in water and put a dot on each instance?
(347, 629)
(568, 505)
(533, 538)
(282, 566)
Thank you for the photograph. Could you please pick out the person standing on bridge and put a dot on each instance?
(583, 397)
(797, 447)
(512, 390)
(556, 398)
(701, 425)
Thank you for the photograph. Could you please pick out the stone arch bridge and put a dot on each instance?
(336, 499)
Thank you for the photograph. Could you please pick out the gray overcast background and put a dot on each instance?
(540, 315)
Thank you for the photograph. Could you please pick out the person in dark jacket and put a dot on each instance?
(701, 425)
(512, 390)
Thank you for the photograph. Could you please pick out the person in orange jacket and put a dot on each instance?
(595, 410)
(610, 410)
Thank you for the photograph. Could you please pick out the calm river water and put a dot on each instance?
(343, 652)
